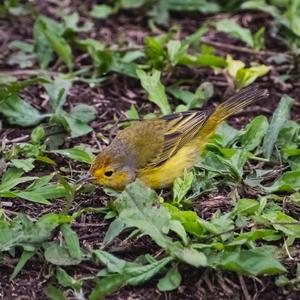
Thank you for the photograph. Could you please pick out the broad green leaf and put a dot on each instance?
(13, 179)
(151, 83)
(59, 255)
(66, 280)
(83, 112)
(257, 261)
(284, 223)
(107, 286)
(246, 207)
(54, 293)
(72, 241)
(101, 11)
(253, 134)
(189, 219)
(280, 116)
(246, 76)
(236, 31)
(170, 281)
(76, 154)
(288, 182)
(135, 207)
(19, 112)
(76, 127)
(25, 164)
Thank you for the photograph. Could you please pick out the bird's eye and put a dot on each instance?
(108, 173)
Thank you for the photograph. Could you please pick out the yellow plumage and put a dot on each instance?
(158, 151)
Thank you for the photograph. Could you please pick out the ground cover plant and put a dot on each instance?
(74, 72)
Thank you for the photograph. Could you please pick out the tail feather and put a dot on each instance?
(231, 106)
(239, 101)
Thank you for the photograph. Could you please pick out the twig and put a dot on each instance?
(238, 48)
(17, 140)
(244, 287)
(28, 72)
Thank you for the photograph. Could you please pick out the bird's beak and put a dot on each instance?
(85, 178)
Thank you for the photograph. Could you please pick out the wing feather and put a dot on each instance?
(181, 128)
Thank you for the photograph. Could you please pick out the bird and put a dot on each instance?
(158, 151)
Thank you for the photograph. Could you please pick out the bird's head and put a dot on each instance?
(111, 171)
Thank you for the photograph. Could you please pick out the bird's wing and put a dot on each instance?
(181, 128)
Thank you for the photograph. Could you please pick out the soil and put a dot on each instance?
(111, 99)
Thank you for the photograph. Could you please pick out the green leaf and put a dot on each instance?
(251, 137)
(43, 51)
(259, 39)
(151, 83)
(171, 281)
(26, 255)
(74, 126)
(72, 241)
(132, 3)
(182, 185)
(246, 207)
(280, 116)
(193, 5)
(19, 112)
(37, 134)
(11, 179)
(236, 31)
(114, 229)
(257, 261)
(75, 154)
(282, 222)
(136, 209)
(288, 182)
(83, 112)
(59, 255)
(23, 46)
(25, 164)
(107, 286)
(58, 90)
(175, 50)
(54, 293)
(244, 76)
(58, 44)
(101, 11)
(66, 280)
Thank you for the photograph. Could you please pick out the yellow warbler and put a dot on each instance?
(158, 151)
